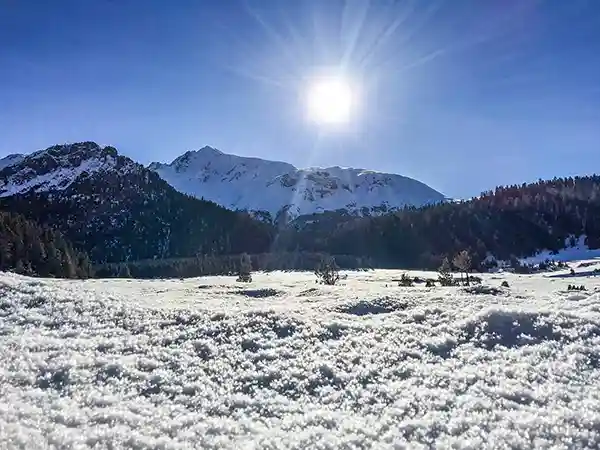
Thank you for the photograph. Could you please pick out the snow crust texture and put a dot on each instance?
(283, 363)
(255, 184)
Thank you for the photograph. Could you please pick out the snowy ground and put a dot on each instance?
(285, 363)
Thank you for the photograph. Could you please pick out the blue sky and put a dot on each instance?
(460, 94)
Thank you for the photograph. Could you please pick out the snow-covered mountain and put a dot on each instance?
(255, 184)
(118, 210)
(57, 167)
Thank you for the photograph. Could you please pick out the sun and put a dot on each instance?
(330, 101)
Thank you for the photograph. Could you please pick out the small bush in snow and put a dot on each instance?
(405, 281)
(327, 271)
(483, 290)
(505, 284)
(430, 283)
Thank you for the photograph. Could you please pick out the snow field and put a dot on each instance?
(285, 363)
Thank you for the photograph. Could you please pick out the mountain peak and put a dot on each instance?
(191, 157)
(210, 150)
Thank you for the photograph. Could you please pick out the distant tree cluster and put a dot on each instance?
(203, 265)
(517, 266)
(28, 249)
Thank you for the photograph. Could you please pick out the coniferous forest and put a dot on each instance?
(508, 222)
(192, 237)
(29, 249)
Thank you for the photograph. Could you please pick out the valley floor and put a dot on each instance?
(285, 363)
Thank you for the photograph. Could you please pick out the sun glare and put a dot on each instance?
(330, 101)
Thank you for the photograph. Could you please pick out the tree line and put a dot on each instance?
(204, 265)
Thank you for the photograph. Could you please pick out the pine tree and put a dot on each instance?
(83, 267)
(68, 267)
(53, 260)
(444, 273)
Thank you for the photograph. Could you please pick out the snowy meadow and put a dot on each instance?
(284, 363)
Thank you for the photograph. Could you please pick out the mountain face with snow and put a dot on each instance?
(274, 187)
(57, 167)
(116, 209)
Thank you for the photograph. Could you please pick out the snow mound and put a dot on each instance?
(165, 365)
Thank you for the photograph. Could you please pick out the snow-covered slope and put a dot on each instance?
(283, 363)
(11, 160)
(575, 249)
(55, 168)
(259, 185)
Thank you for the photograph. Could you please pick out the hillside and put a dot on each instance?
(508, 222)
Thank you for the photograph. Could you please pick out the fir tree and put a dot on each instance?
(444, 273)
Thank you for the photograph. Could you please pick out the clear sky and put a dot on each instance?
(460, 94)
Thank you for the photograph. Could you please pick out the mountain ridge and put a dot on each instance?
(269, 189)
(276, 187)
